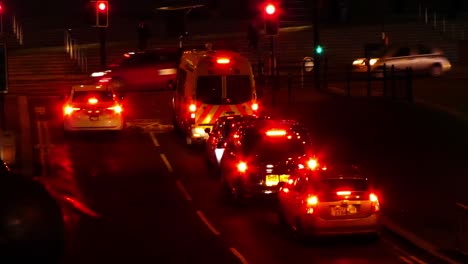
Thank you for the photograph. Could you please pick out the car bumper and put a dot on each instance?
(317, 226)
(89, 125)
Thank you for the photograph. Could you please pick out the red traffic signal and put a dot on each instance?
(271, 19)
(102, 6)
(1, 8)
(270, 9)
(102, 13)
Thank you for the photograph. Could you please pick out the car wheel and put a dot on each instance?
(435, 70)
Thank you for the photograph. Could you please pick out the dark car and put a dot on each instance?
(145, 70)
(31, 222)
(331, 200)
(263, 153)
(222, 129)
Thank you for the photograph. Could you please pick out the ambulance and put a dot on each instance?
(210, 84)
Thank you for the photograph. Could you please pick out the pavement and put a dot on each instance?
(425, 145)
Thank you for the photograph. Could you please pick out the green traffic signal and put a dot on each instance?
(319, 49)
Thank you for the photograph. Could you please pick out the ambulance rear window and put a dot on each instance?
(238, 89)
(209, 89)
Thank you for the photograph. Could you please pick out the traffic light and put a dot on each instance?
(102, 13)
(319, 50)
(271, 19)
(1, 8)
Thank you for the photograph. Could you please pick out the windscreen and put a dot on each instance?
(209, 89)
(269, 149)
(101, 96)
(238, 89)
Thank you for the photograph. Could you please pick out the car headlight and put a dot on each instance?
(358, 62)
(373, 61)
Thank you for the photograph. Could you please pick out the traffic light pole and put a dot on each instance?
(316, 43)
(102, 42)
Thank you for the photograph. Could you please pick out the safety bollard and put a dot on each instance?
(8, 147)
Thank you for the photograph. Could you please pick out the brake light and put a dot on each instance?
(343, 193)
(92, 100)
(192, 108)
(285, 190)
(312, 164)
(375, 205)
(312, 202)
(223, 60)
(67, 110)
(242, 167)
(117, 109)
(255, 107)
(273, 133)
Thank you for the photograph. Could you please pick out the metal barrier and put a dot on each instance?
(462, 234)
(17, 30)
(76, 52)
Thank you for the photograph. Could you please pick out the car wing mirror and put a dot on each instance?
(207, 130)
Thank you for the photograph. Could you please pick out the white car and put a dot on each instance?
(420, 58)
(92, 107)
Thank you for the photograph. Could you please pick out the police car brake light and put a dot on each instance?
(275, 133)
(223, 60)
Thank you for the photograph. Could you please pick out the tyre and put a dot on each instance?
(435, 70)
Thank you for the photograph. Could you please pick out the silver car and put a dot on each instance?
(420, 58)
(329, 201)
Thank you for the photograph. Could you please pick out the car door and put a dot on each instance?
(295, 202)
(423, 58)
(400, 58)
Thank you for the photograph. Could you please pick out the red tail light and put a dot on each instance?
(242, 167)
(117, 109)
(375, 205)
(312, 164)
(311, 203)
(68, 110)
(255, 107)
(275, 133)
(223, 60)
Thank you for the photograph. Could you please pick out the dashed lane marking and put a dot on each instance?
(166, 161)
(148, 125)
(406, 260)
(239, 255)
(417, 260)
(153, 138)
(207, 223)
(183, 191)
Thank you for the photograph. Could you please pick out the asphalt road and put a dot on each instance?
(143, 196)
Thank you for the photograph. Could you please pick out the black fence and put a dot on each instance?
(388, 82)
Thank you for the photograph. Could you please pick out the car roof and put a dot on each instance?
(91, 88)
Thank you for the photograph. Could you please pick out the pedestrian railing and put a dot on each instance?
(439, 22)
(462, 234)
(17, 30)
(76, 51)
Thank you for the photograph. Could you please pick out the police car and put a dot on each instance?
(93, 107)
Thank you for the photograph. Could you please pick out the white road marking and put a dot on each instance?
(153, 138)
(406, 260)
(239, 255)
(183, 190)
(417, 260)
(166, 161)
(207, 223)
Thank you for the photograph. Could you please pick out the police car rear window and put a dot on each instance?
(209, 89)
(83, 96)
(238, 89)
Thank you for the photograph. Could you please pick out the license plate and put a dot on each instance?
(94, 118)
(343, 210)
(274, 179)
